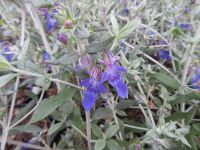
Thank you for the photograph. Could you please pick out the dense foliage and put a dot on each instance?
(100, 74)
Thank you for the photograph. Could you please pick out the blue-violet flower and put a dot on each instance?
(7, 53)
(184, 26)
(93, 88)
(164, 54)
(112, 74)
(45, 56)
(51, 22)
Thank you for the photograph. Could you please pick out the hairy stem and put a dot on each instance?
(30, 112)
(112, 107)
(88, 129)
(187, 64)
(22, 72)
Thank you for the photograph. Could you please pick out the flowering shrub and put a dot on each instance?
(94, 74)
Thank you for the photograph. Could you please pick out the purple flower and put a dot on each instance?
(62, 38)
(186, 10)
(113, 74)
(93, 88)
(164, 54)
(195, 80)
(51, 22)
(45, 56)
(7, 53)
(184, 26)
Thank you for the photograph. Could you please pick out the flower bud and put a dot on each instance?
(62, 38)
(68, 24)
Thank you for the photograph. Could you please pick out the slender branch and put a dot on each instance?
(88, 129)
(146, 101)
(145, 115)
(79, 131)
(22, 72)
(6, 129)
(30, 112)
(23, 23)
(155, 61)
(188, 61)
(112, 107)
(187, 64)
(135, 127)
(38, 25)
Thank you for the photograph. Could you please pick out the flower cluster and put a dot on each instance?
(95, 84)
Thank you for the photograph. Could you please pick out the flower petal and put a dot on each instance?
(104, 76)
(101, 88)
(89, 99)
(120, 86)
(120, 69)
(85, 82)
(51, 22)
(122, 89)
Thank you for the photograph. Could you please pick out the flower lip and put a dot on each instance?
(45, 56)
(195, 80)
(51, 22)
(185, 26)
(93, 88)
(112, 74)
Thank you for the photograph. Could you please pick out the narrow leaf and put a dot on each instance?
(128, 29)
(97, 131)
(6, 78)
(54, 128)
(112, 145)
(112, 130)
(167, 80)
(48, 106)
(114, 24)
(100, 144)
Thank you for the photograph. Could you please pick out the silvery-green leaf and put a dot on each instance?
(98, 46)
(100, 144)
(43, 81)
(128, 29)
(111, 131)
(6, 78)
(112, 145)
(114, 24)
(54, 128)
(4, 64)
